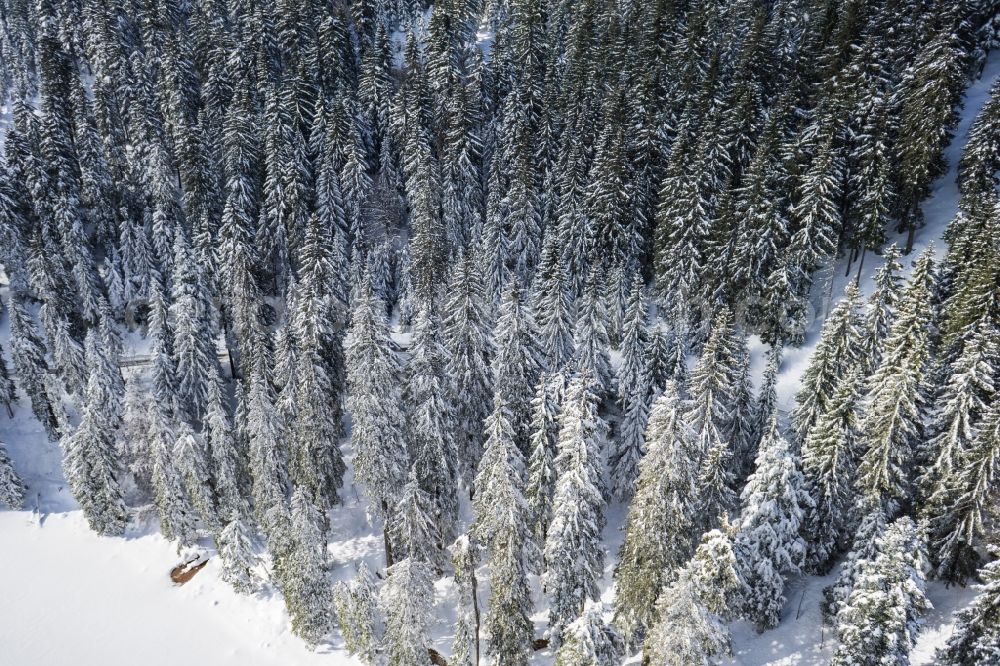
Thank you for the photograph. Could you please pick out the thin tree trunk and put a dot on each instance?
(475, 609)
(385, 536)
(911, 228)
(857, 279)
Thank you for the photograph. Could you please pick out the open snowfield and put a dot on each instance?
(69, 597)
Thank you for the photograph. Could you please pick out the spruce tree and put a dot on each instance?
(691, 611)
(470, 350)
(268, 471)
(431, 435)
(517, 363)
(588, 641)
(12, 488)
(465, 646)
(412, 529)
(633, 391)
(239, 560)
(829, 462)
(541, 463)
(356, 606)
(835, 354)
(91, 464)
(976, 639)
(959, 527)
(879, 622)
(405, 600)
(554, 304)
(768, 543)
(28, 353)
(307, 588)
(573, 558)
(502, 527)
(710, 413)
(192, 467)
(892, 424)
(871, 527)
(881, 308)
(381, 461)
(663, 517)
(592, 336)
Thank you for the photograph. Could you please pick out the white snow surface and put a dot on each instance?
(72, 597)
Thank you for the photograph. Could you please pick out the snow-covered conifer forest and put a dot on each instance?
(500, 332)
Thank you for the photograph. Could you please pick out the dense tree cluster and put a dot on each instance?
(499, 262)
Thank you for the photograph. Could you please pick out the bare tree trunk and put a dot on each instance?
(475, 609)
(911, 228)
(385, 536)
(857, 279)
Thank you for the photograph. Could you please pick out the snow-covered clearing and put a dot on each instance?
(71, 597)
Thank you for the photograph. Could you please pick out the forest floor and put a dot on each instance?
(70, 596)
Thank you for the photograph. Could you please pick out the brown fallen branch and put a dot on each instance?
(182, 573)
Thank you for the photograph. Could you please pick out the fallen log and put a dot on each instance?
(182, 573)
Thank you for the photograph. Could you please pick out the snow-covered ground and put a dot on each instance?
(71, 597)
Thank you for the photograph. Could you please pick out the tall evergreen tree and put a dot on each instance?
(405, 602)
(431, 419)
(768, 544)
(12, 488)
(573, 556)
(663, 518)
(470, 351)
(879, 623)
(975, 640)
(517, 363)
(892, 424)
(374, 376)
